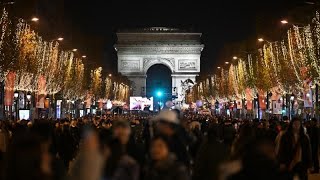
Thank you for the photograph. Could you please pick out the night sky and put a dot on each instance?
(90, 25)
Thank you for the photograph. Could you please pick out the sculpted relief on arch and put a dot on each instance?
(148, 62)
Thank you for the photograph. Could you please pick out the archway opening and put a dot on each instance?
(159, 84)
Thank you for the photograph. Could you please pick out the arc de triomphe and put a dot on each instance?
(140, 49)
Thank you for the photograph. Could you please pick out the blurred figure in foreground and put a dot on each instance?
(28, 159)
(89, 164)
(168, 125)
(295, 150)
(314, 133)
(122, 164)
(259, 162)
(163, 165)
(211, 154)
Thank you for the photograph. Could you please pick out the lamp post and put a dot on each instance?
(16, 97)
(28, 100)
(258, 105)
(48, 99)
(317, 99)
(291, 105)
(269, 94)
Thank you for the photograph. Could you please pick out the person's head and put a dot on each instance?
(28, 158)
(295, 126)
(214, 133)
(122, 131)
(167, 121)
(159, 149)
(57, 124)
(29, 124)
(73, 123)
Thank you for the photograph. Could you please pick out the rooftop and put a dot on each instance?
(155, 30)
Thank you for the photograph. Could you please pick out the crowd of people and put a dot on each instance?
(167, 146)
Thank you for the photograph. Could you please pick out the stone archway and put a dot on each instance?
(149, 62)
(139, 50)
(158, 79)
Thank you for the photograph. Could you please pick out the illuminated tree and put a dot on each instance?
(96, 83)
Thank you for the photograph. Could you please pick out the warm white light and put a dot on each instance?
(74, 50)
(235, 57)
(60, 39)
(260, 39)
(35, 19)
(227, 62)
(218, 67)
(16, 95)
(110, 75)
(284, 21)
(292, 98)
(28, 96)
(308, 95)
(84, 56)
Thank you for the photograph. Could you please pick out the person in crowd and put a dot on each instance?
(44, 130)
(90, 161)
(211, 154)
(75, 134)
(4, 139)
(295, 150)
(163, 164)
(168, 124)
(314, 133)
(246, 136)
(259, 162)
(228, 133)
(195, 130)
(28, 159)
(121, 164)
(66, 141)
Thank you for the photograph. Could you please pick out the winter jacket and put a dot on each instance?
(168, 169)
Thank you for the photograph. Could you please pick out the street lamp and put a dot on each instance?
(35, 19)
(60, 39)
(260, 39)
(28, 100)
(16, 96)
(292, 97)
(29, 96)
(84, 56)
(291, 105)
(74, 50)
(226, 62)
(110, 75)
(235, 57)
(284, 21)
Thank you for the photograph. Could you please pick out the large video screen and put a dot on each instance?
(141, 103)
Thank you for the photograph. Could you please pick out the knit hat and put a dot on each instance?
(167, 116)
